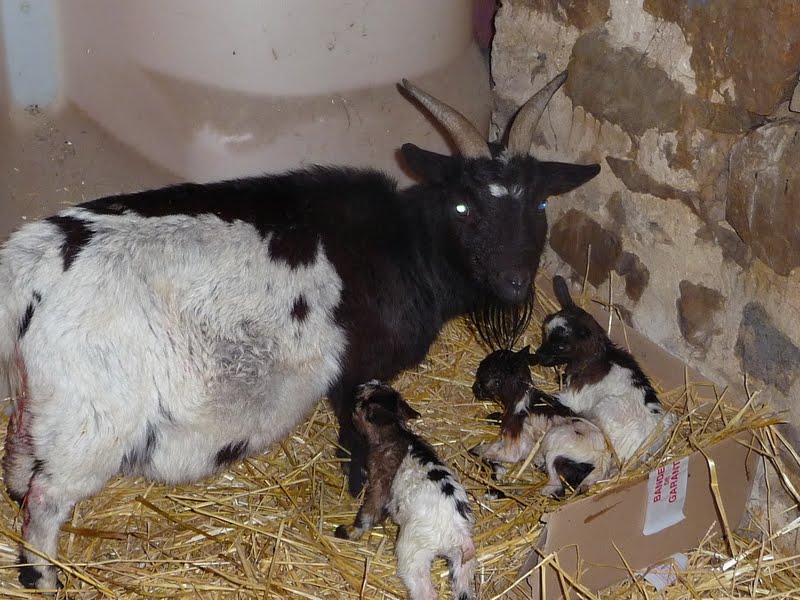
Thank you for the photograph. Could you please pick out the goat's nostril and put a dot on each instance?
(516, 279)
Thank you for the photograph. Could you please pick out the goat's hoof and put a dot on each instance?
(553, 491)
(341, 532)
(29, 576)
(495, 495)
(32, 578)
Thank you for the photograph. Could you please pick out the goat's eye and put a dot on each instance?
(462, 209)
(542, 204)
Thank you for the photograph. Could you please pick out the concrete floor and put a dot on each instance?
(50, 161)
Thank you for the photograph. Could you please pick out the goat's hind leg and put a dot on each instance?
(19, 461)
(51, 483)
(462, 572)
(414, 569)
(44, 512)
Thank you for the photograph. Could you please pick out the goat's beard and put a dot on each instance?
(498, 324)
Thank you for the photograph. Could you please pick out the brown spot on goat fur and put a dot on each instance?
(19, 418)
(385, 452)
(590, 347)
(587, 373)
(512, 424)
(230, 453)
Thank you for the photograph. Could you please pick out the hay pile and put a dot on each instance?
(265, 528)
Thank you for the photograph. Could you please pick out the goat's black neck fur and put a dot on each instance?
(401, 278)
(593, 363)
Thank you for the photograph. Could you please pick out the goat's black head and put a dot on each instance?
(569, 335)
(494, 199)
(380, 405)
(503, 376)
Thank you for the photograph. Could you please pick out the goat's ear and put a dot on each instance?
(390, 407)
(378, 414)
(560, 178)
(526, 353)
(561, 290)
(427, 165)
(405, 410)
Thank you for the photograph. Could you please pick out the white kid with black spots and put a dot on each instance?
(407, 482)
(602, 382)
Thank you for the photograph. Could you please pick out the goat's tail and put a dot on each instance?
(14, 314)
(9, 315)
(28, 269)
(8, 333)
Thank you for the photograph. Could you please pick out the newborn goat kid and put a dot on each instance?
(408, 482)
(528, 413)
(603, 382)
(572, 452)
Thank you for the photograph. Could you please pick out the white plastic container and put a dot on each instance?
(213, 89)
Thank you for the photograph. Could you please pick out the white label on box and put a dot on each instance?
(666, 491)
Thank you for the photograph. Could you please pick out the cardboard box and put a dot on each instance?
(592, 535)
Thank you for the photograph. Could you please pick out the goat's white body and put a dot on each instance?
(430, 526)
(160, 345)
(203, 315)
(577, 440)
(618, 407)
(513, 449)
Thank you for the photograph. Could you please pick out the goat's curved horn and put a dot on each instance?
(467, 139)
(521, 134)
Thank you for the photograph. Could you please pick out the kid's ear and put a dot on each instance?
(390, 406)
(406, 412)
(561, 290)
(379, 415)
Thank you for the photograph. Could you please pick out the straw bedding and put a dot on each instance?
(265, 528)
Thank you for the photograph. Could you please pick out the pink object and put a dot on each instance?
(483, 22)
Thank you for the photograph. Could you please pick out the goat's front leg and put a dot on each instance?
(512, 446)
(554, 488)
(371, 512)
(352, 444)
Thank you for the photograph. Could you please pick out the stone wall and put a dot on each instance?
(694, 219)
